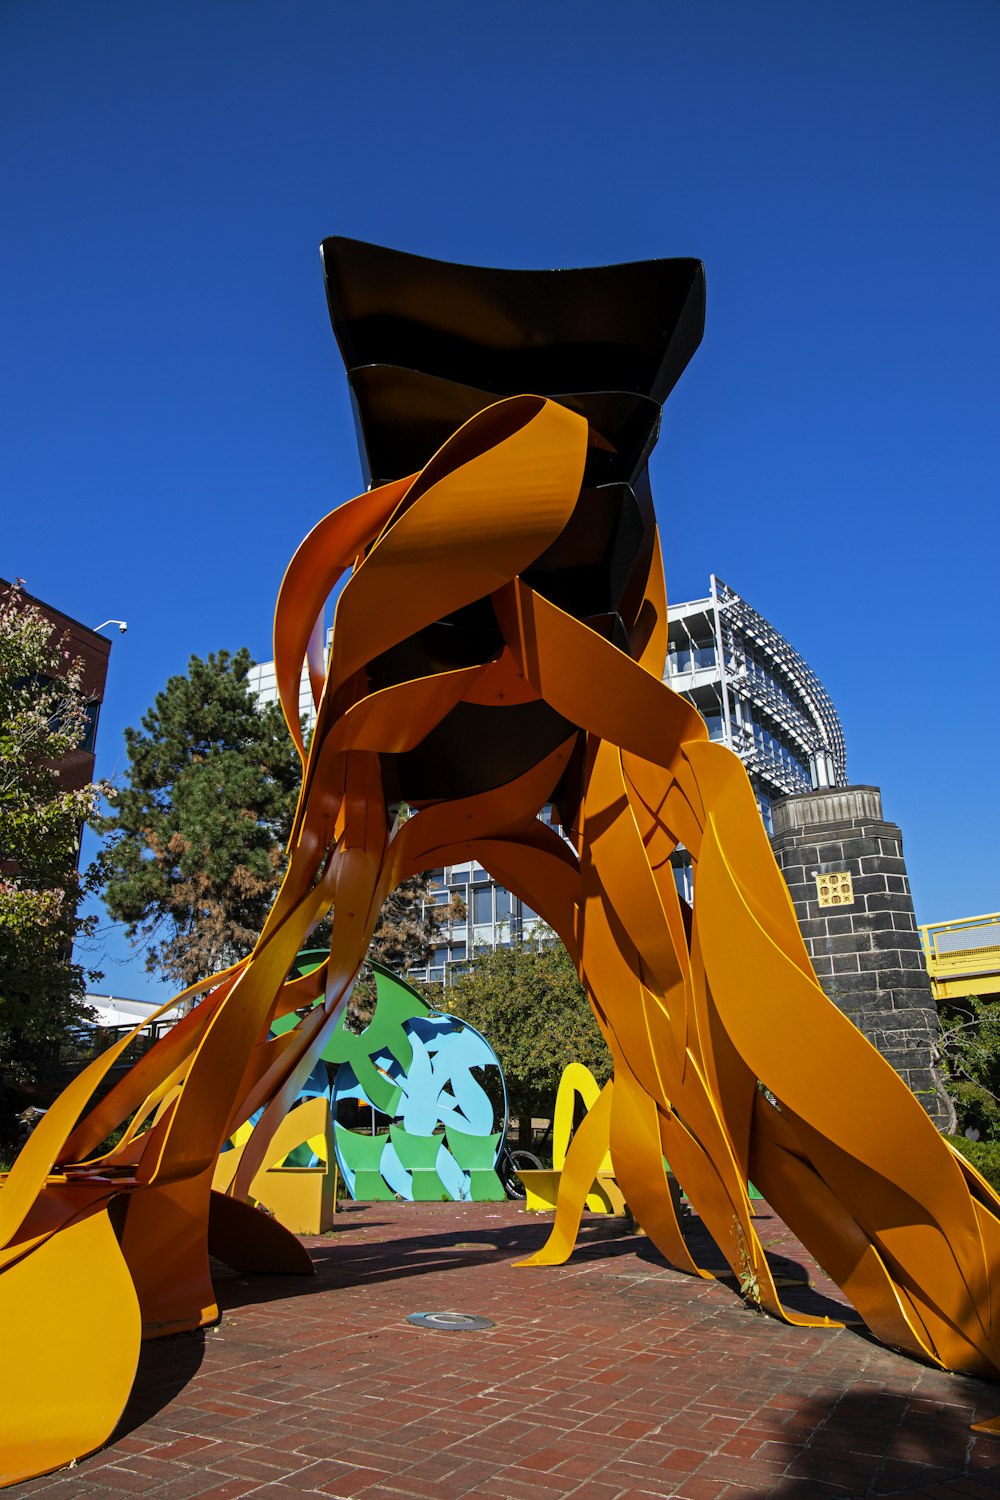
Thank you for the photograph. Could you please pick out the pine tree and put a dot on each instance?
(43, 716)
(198, 834)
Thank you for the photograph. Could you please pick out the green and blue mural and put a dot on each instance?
(423, 1073)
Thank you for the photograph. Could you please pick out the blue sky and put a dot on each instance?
(175, 409)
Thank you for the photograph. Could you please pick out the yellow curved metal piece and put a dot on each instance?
(702, 1011)
(301, 1198)
(71, 1342)
(576, 1080)
(541, 1186)
(586, 1151)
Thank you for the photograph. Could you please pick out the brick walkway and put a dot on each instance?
(607, 1378)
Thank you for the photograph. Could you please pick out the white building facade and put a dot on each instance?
(758, 696)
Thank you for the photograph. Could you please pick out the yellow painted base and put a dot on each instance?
(542, 1188)
(301, 1198)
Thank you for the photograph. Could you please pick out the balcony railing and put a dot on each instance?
(963, 957)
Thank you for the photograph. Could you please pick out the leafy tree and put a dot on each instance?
(43, 717)
(970, 1051)
(197, 836)
(528, 1002)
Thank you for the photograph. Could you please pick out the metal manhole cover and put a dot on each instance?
(450, 1322)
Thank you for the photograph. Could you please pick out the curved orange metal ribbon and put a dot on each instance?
(701, 1013)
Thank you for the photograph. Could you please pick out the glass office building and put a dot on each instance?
(758, 696)
(492, 916)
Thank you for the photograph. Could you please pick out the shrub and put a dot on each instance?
(984, 1156)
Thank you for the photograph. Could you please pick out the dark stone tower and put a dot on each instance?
(844, 867)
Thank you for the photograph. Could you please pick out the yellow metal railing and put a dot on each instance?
(963, 957)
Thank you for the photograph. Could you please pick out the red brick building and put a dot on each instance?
(93, 651)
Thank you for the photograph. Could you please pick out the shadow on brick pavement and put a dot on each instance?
(608, 1378)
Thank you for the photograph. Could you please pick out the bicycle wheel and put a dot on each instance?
(512, 1162)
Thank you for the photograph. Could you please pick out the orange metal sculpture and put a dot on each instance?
(449, 631)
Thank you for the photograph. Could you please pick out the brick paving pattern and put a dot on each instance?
(609, 1378)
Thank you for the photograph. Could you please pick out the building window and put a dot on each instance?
(89, 741)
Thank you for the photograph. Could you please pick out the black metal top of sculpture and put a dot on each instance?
(428, 345)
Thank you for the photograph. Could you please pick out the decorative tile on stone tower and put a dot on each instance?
(835, 888)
